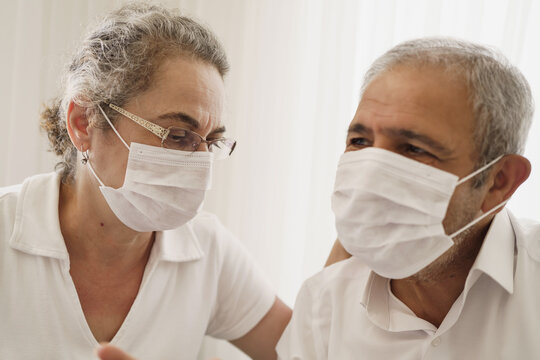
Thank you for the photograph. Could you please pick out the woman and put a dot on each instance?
(113, 246)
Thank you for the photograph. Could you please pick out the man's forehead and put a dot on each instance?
(429, 96)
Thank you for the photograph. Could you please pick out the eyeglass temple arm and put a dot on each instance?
(157, 130)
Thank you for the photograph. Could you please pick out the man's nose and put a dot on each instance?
(382, 142)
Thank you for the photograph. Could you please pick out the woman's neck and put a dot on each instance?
(93, 233)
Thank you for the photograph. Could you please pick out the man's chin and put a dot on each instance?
(462, 253)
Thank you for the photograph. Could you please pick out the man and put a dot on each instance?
(434, 149)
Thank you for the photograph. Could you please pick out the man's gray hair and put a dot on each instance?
(117, 60)
(499, 94)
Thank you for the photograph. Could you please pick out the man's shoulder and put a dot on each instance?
(527, 233)
(341, 278)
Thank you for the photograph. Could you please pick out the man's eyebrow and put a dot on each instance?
(412, 135)
(403, 133)
(359, 128)
(178, 116)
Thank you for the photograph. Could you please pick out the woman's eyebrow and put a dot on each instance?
(186, 119)
(218, 130)
(182, 117)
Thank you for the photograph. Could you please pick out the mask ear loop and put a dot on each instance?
(478, 219)
(112, 126)
(473, 174)
(86, 161)
(490, 211)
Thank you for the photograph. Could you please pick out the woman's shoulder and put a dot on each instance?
(39, 182)
(18, 202)
(34, 188)
(9, 196)
(206, 233)
(207, 227)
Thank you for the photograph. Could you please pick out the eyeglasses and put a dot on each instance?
(176, 138)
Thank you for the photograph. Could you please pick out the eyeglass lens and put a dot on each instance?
(182, 139)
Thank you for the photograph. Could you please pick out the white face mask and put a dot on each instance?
(389, 210)
(163, 188)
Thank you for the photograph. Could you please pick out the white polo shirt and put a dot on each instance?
(348, 312)
(199, 280)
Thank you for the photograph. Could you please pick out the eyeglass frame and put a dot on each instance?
(162, 132)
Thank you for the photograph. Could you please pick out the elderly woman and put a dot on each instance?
(113, 247)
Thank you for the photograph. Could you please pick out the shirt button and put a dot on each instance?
(436, 341)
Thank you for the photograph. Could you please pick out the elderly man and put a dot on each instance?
(439, 269)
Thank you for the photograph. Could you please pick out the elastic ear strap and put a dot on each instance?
(110, 123)
(470, 176)
(480, 218)
(93, 172)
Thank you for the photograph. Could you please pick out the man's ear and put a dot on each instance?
(77, 126)
(508, 175)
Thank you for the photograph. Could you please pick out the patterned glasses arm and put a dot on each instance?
(157, 130)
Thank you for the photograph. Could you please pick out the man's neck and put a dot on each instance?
(431, 293)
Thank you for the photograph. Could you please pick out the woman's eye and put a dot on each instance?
(177, 138)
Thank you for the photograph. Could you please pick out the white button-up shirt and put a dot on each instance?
(348, 312)
(199, 280)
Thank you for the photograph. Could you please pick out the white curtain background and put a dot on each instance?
(296, 73)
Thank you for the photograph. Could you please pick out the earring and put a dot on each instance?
(84, 159)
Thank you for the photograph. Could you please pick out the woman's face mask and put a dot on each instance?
(163, 188)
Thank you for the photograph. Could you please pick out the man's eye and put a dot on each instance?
(358, 141)
(415, 150)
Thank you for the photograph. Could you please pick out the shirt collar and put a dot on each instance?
(375, 300)
(496, 256)
(495, 259)
(178, 245)
(37, 227)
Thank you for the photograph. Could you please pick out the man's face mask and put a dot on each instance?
(389, 210)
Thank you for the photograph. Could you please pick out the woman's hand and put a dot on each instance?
(110, 352)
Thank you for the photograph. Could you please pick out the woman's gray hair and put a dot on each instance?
(499, 94)
(117, 61)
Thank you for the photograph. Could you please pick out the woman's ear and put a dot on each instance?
(77, 126)
(508, 175)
